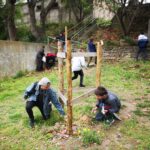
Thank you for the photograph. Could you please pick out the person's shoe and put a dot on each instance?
(82, 85)
(31, 123)
(110, 122)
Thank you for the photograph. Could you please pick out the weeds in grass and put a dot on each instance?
(19, 74)
(90, 137)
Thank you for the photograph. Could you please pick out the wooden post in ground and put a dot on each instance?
(60, 71)
(69, 89)
(99, 64)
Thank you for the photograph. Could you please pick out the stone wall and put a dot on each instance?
(16, 56)
(125, 52)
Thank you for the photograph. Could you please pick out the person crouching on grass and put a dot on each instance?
(107, 106)
(41, 95)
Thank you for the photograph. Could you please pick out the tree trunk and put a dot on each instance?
(34, 29)
(44, 13)
(149, 29)
(10, 9)
(122, 25)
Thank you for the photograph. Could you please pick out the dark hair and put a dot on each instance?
(91, 39)
(101, 91)
(142, 32)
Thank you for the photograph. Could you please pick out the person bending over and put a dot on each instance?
(41, 94)
(107, 105)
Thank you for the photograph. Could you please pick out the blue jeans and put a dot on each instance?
(101, 117)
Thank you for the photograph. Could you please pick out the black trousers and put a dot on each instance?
(30, 105)
(81, 74)
(143, 52)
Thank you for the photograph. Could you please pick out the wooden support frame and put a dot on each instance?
(69, 101)
(69, 90)
(77, 54)
(99, 64)
(60, 71)
(62, 97)
(85, 95)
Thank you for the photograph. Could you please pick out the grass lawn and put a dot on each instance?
(129, 80)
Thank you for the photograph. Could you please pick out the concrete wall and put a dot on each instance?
(101, 10)
(16, 56)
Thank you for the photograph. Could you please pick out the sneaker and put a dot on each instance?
(31, 123)
(110, 122)
(82, 85)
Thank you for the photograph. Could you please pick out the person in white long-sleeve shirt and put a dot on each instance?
(77, 64)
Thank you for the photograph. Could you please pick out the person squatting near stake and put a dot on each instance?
(107, 105)
(77, 64)
(40, 94)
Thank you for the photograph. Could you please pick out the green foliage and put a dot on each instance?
(3, 35)
(103, 23)
(24, 34)
(109, 43)
(129, 40)
(54, 29)
(19, 74)
(90, 137)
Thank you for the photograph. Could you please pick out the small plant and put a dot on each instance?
(103, 23)
(129, 40)
(90, 137)
(109, 43)
(19, 74)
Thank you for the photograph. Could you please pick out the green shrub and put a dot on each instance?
(129, 40)
(19, 74)
(24, 34)
(109, 43)
(90, 137)
(103, 23)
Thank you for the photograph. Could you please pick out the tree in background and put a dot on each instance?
(3, 34)
(80, 8)
(9, 14)
(125, 11)
(39, 31)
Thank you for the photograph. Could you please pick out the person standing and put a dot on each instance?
(41, 95)
(39, 59)
(91, 48)
(142, 44)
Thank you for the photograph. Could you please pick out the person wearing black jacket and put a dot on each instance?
(39, 61)
(107, 105)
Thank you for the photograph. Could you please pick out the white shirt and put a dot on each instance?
(142, 37)
(78, 63)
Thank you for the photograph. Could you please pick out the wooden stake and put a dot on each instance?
(66, 37)
(60, 71)
(69, 90)
(99, 64)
